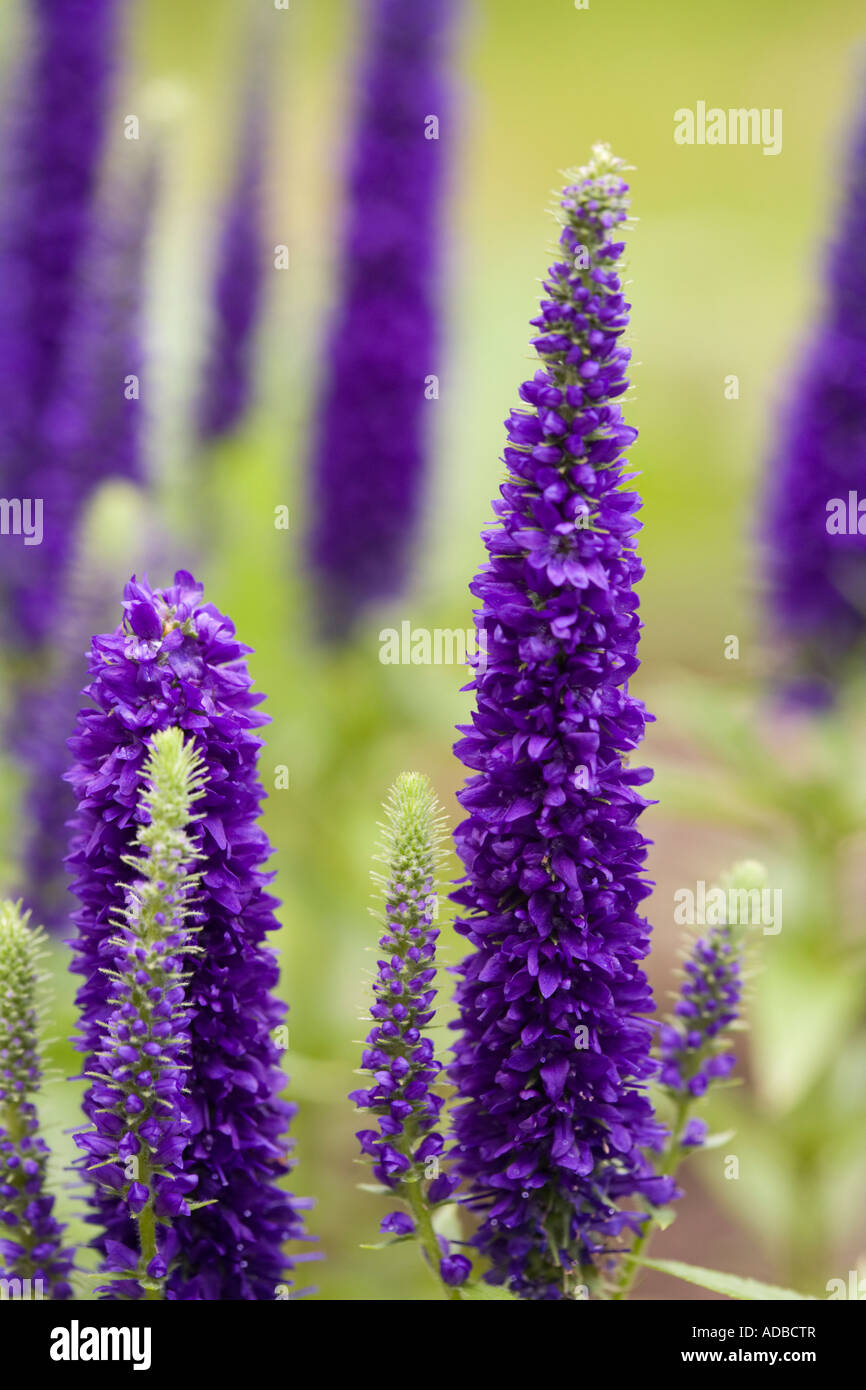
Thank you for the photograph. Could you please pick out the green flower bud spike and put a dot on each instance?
(138, 1099)
(32, 1262)
(694, 1049)
(406, 1148)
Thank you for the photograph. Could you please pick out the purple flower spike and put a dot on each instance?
(51, 167)
(813, 528)
(694, 1045)
(553, 1055)
(192, 674)
(374, 416)
(398, 1054)
(238, 284)
(405, 1148)
(92, 427)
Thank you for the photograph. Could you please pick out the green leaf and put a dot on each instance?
(802, 1017)
(731, 1285)
(487, 1293)
(386, 1244)
(446, 1221)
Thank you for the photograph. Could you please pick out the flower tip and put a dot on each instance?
(747, 874)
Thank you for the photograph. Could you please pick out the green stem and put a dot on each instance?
(426, 1235)
(147, 1236)
(670, 1160)
(807, 1248)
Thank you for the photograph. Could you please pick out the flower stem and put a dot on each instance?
(668, 1165)
(153, 1288)
(426, 1235)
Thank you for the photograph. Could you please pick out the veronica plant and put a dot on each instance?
(175, 662)
(238, 284)
(138, 1098)
(373, 420)
(815, 546)
(405, 1148)
(695, 1044)
(553, 1055)
(33, 1262)
(93, 432)
(51, 166)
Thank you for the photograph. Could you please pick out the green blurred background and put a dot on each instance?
(724, 275)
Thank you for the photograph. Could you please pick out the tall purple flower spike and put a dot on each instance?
(175, 661)
(815, 560)
(51, 165)
(92, 428)
(553, 1056)
(238, 283)
(371, 434)
(93, 431)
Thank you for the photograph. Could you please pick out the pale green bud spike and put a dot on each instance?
(746, 874)
(744, 884)
(600, 183)
(34, 1258)
(153, 936)
(174, 775)
(21, 978)
(603, 167)
(412, 835)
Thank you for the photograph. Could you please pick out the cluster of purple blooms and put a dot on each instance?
(692, 1047)
(175, 662)
(30, 1235)
(552, 1056)
(31, 1249)
(397, 1053)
